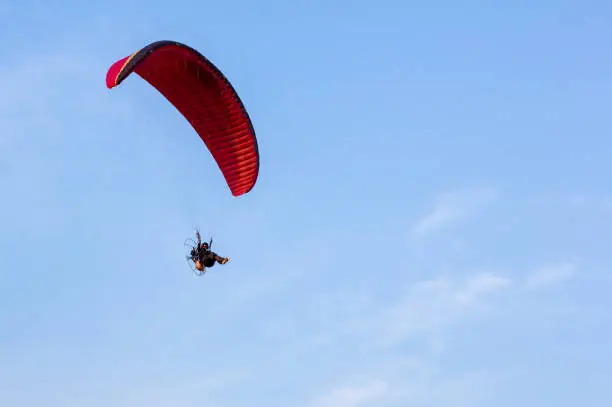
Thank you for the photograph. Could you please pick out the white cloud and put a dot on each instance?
(198, 391)
(416, 383)
(432, 305)
(50, 106)
(550, 275)
(440, 389)
(28, 132)
(369, 394)
(454, 206)
(479, 286)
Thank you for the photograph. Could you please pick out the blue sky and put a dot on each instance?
(430, 228)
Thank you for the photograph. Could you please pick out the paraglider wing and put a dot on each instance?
(204, 96)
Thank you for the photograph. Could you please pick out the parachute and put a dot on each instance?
(205, 97)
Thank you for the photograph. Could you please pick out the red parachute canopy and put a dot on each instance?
(206, 99)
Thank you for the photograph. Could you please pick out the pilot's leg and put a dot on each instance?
(221, 260)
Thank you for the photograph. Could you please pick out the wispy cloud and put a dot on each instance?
(46, 104)
(549, 275)
(432, 305)
(439, 388)
(479, 286)
(28, 132)
(453, 207)
(185, 392)
(369, 394)
(430, 310)
(418, 384)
